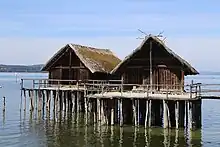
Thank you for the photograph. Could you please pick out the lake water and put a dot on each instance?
(19, 129)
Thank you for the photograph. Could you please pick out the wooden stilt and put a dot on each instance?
(25, 99)
(102, 113)
(134, 112)
(49, 93)
(36, 99)
(95, 113)
(121, 113)
(64, 100)
(4, 104)
(54, 100)
(112, 112)
(98, 111)
(187, 113)
(149, 114)
(190, 116)
(86, 110)
(31, 95)
(43, 99)
(39, 101)
(146, 114)
(165, 116)
(138, 111)
(177, 114)
(168, 114)
(78, 101)
(73, 101)
(57, 100)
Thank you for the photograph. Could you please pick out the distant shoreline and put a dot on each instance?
(21, 68)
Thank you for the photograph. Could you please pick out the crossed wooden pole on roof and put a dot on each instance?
(147, 35)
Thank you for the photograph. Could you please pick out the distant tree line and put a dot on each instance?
(21, 68)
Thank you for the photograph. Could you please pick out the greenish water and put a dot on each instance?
(20, 129)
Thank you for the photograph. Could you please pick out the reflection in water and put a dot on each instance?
(68, 129)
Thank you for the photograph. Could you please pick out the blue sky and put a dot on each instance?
(31, 31)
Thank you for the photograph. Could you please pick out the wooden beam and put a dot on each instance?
(153, 59)
(68, 67)
(154, 66)
(70, 64)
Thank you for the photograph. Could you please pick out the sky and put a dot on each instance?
(32, 31)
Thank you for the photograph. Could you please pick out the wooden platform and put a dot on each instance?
(130, 95)
(61, 88)
(113, 102)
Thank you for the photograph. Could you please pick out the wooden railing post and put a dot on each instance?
(122, 82)
(191, 90)
(200, 90)
(22, 84)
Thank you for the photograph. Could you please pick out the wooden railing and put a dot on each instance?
(102, 86)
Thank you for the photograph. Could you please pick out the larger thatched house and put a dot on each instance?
(167, 68)
(77, 62)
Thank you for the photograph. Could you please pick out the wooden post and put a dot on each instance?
(138, 112)
(112, 111)
(149, 118)
(187, 113)
(151, 70)
(3, 104)
(190, 115)
(196, 114)
(98, 110)
(146, 115)
(57, 100)
(73, 101)
(54, 100)
(25, 100)
(64, 100)
(134, 112)
(102, 112)
(86, 110)
(182, 110)
(165, 117)
(40, 100)
(48, 99)
(22, 87)
(122, 82)
(121, 113)
(31, 106)
(36, 99)
(43, 102)
(70, 64)
(95, 114)
(182, 80)
(177, 114)
(78, 100)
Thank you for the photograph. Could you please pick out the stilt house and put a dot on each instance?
(154, 64)
(77, 62)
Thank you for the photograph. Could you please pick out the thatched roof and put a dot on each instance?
(96, 60)
(189, 70)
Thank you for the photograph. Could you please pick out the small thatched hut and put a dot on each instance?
(77, 62)
(167, 68)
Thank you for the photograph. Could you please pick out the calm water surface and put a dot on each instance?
(19, 129)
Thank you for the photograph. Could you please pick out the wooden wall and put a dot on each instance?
(167, 71)
(69, 67)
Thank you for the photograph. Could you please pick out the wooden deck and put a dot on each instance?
(115, 89)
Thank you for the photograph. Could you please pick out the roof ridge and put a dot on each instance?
(90, 47)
